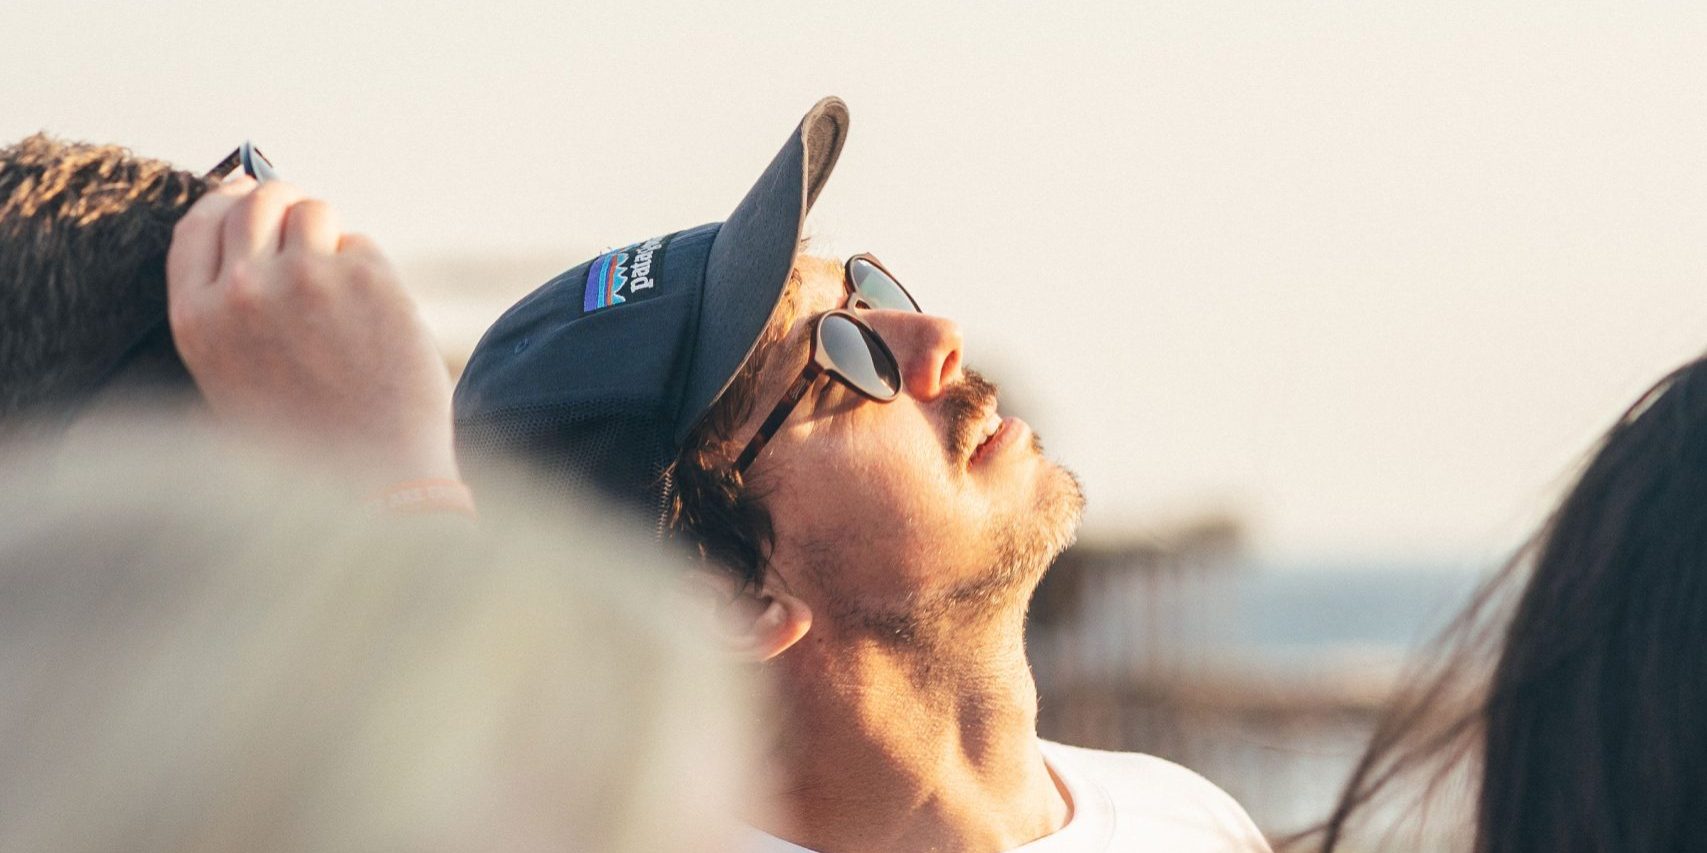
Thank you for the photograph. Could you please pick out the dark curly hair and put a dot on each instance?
(720, 513)
(84, 231)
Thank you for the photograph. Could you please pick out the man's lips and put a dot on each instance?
(970, 410)
(980, 430)
(1011, 430)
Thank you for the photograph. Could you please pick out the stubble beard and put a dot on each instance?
(1026, 546)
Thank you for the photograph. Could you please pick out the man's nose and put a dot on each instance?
(927, 348)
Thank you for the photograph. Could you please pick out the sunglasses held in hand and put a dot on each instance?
(254, 163)
(156, 336)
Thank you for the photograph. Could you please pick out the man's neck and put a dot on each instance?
(924, 746)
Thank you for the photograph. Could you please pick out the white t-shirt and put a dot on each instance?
(1125, 801)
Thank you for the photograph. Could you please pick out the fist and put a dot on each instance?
(302, 333)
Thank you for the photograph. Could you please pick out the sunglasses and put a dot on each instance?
(845, 348)
(254, 163)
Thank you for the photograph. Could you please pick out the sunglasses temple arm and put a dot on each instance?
(231, 161)
(778, 415)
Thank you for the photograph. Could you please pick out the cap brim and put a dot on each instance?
(752, 254)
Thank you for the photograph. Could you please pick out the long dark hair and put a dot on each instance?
(1589, 730)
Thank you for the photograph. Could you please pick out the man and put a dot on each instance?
(874, 527)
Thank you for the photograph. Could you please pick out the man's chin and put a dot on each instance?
(1031, 539)
(1028, 539)
(1060, 509)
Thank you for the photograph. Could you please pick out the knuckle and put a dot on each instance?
(243, 287)
(361, 277)
(311, 207)
(301, 269)
(369, 275)
(267, 196)
(276, 195)
(272, 189)
(240, 216)
(310, 279)
(355, 245)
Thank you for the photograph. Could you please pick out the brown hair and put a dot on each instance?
(720, 512)
(84, 231)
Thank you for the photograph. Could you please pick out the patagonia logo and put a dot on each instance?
(623, 276)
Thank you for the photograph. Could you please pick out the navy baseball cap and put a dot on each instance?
(593, 381)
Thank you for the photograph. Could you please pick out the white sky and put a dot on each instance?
(1371, 273)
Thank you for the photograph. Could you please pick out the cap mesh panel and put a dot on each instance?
(581, 452)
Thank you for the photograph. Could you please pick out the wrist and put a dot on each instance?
(427, 455)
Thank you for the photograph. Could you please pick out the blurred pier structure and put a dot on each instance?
(1129, 643)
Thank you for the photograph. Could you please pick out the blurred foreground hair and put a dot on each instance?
(84, 231)
(199, 653)
(1589, 732)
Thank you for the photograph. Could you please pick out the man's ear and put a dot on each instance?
(754, 625)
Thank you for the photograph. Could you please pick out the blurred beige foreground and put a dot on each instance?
(200, 650)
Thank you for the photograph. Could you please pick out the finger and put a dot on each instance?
(359, 244)
(254, 227)
(193, 259)
(311, 225)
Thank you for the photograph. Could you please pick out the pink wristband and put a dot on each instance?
(422, 497)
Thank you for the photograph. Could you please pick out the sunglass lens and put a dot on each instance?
(877, 288)
(256, 164)
(859, 357)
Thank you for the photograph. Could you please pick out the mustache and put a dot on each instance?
(963, 405)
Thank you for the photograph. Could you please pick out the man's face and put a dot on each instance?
(891, 518)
